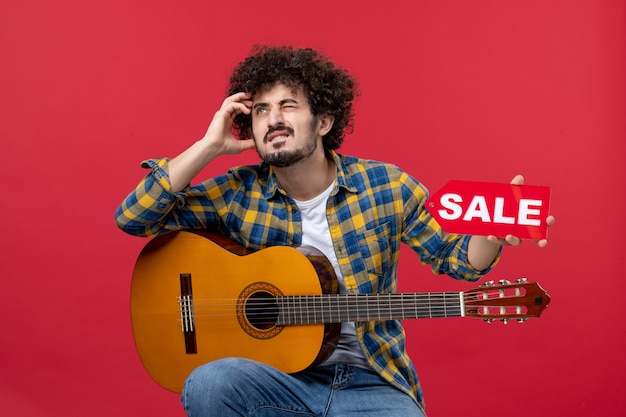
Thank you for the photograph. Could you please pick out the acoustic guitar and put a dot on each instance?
(198, 297)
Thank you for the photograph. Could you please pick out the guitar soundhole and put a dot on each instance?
(262, 310)
(257, 310)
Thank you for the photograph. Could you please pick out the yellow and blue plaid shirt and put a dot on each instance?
(372, 209)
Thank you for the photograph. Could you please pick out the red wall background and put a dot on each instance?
(452, 89)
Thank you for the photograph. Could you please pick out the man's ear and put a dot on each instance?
(325, 123)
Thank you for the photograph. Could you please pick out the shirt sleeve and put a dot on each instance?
(151, 208)
(445, 253)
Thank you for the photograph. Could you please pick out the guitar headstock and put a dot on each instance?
(506, 300)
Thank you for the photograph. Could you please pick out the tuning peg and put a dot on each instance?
(504, 282)
(488, 284)
(505, 321)
(521, 320)
(522, 281)
(489, 321)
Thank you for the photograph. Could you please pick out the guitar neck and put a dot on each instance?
(337, 308)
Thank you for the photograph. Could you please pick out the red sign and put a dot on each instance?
(485, 208)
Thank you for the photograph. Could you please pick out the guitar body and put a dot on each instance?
(220, 279)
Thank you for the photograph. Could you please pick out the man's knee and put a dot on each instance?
(216, 375)
(211, 385)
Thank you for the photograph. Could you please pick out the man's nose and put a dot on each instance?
(275, 117)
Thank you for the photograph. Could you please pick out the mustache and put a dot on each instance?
(277, 128)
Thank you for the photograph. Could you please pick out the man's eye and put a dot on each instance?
(260, 110)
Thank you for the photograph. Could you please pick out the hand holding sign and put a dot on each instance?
(505, 213)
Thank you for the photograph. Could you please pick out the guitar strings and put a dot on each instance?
(343, 300)
(362, 298)
(438, 305)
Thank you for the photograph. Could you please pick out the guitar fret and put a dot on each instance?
(445, 312)
(430, 311)
(416, 307)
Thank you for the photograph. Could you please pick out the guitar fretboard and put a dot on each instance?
(337, 308)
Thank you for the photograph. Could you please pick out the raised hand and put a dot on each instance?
(510, 240)
(219, 135)
(218, 140)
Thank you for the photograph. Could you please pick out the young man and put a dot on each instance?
(293, 106)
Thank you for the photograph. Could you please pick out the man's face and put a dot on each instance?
(283, 127)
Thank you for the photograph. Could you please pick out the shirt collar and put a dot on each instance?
(343, 179)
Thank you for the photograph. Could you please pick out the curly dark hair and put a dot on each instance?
(329, 89)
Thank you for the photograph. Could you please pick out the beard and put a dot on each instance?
(283, 159)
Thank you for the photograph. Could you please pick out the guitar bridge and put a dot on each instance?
(185, 303)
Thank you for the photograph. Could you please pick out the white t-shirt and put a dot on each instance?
(316, 234)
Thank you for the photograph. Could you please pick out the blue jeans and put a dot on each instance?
(241, 387)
